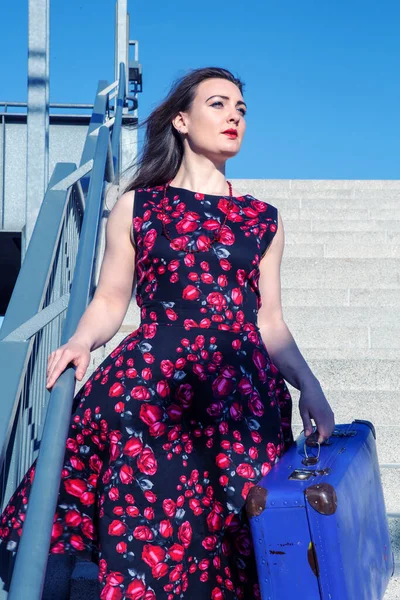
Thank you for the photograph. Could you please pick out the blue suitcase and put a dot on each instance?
(318, 520)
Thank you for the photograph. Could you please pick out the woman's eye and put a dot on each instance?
(242, 110)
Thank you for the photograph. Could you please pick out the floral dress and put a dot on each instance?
(184, 416)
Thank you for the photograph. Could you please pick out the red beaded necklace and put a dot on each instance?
(216, 233)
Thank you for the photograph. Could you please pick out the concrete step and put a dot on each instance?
(342, 250)
(308, 186)
(347, 354)
(372, 406)
(340, 273)
(391, 486)
(338, 238)
(295, 201)
(356, 375)
(345, 338)
(337, 298)
(297, 224)
(342, 316)
(333, 213)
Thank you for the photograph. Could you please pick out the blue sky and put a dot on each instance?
(322, 77)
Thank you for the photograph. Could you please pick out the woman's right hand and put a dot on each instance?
(76, 352)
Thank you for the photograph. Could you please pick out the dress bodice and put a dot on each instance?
(188, 280)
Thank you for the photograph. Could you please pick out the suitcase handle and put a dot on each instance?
(312, 440)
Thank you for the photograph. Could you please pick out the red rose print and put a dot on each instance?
(159, 570)
(243, 542)
(131, 373)
(222, 387)
(166, 529)
(259, 359)
(211, 225)
(209, 542)
(246, 489)
(149, 239)
(72, 445)
(173, 265)
(143, 533)
(76, 463)
(259, 206)
(271, 451)
(163, 388)
(180, 243)
(135, 590)
(214, 521)
(169, 507)
(117, 389)
(140, 393)
(184, 395)
(75, 487)
(241, 276)
(153, 554)
(226, 236)
(237, 296)
(203, 243)
(217, 300)
(150, 413)
(225, 264)
(255, 404)
(77, 542)
(167, 368)
(73, 518)
(185, 534)
(171, 314)
(126, 474)
(111, 593)
(189, 260)
(117, 527)
(206, 278)
(250, 212)
(265, 468)
(190, 292)
(147, 462)
(176, 552)
(149, 330)
(222, 461)
(245, 470)
(121, 547)
(133, 447)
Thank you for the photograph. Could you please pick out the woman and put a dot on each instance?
(190, 410)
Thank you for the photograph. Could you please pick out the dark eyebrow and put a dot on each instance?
(227, 98)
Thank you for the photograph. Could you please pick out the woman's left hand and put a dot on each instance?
(314, 405)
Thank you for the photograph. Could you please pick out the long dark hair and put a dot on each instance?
(162, 151)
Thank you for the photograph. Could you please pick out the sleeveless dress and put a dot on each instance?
(182, 418)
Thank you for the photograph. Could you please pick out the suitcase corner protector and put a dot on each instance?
(256, 501)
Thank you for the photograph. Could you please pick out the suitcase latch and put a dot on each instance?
(305, 474)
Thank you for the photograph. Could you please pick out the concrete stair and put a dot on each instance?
(341, 300)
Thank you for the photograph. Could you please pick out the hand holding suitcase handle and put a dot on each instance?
(312, 439)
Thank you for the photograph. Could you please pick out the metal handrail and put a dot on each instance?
(118, 118)
(21, 329)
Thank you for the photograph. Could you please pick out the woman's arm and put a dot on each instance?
(105, 313)
(279, 341)
(282, 348)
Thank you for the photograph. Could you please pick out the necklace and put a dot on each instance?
(216, 233)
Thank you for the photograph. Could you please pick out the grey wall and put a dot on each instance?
(66, 141)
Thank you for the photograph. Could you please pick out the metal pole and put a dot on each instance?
(122, 39)
(38, 113)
